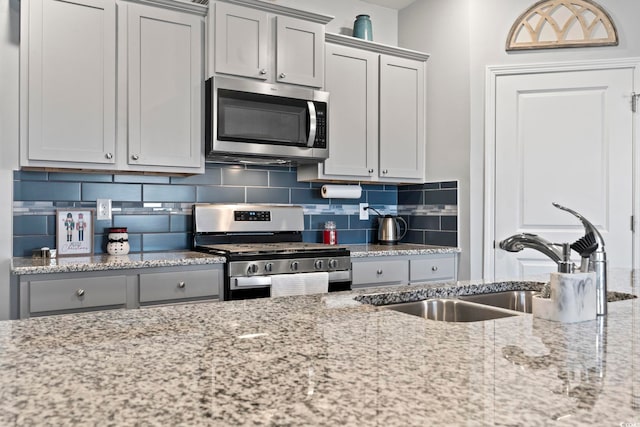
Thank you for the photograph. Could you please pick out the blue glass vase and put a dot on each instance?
(362, 27)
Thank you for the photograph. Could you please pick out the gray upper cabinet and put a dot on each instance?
(265, 42)
(165, 72)
(68, 92)
(352, 81)
(376, 113)
(112, 85)
(402, 118)
(241, 41)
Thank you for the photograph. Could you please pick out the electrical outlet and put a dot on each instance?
(364, 212)
(103, 206)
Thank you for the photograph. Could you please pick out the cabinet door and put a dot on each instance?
(299, 51)
(379, 272)
(402, 118)
(352, 80)
(165, 74)
(432, 268)
(241, 38)
(158, 287)
(77, 293)
(71, 101)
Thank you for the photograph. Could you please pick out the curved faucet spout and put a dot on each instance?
(588, 226)
(518, 242)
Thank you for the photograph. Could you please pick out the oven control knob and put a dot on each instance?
(294, 265)
(252, 269)
(333, 263)
(318, 264)
(268, 267)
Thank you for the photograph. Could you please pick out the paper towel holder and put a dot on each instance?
(341, 191)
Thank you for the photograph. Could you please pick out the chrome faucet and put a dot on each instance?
(597, 259)
(518, 242)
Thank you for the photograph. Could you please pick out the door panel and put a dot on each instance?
(563, 137)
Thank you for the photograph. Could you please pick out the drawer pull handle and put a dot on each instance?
(379, 271)
(181, 285)
(434, 268)
(80, 292)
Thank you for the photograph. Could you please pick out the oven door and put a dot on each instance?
(248, 287)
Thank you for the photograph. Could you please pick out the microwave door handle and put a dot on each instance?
(312, 124)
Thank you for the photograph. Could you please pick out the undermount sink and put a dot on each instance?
(479, 307)
(451, 310)
(521, 300)
(511, 300)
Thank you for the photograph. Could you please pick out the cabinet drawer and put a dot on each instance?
(379, 272)
(70, 294)
(180, 285)
(432, 268)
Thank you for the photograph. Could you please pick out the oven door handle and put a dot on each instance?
(252, 282)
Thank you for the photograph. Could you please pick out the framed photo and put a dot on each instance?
(74, 231)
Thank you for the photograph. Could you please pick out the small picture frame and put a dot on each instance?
(74, 232)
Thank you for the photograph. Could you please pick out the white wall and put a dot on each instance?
(9, 59)
(486, 23)
(383, 20)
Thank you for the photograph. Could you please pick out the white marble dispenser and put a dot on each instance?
(573, 298)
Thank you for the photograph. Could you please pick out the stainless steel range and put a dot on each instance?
(262, 241)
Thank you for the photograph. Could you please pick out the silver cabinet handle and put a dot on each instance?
(181, 285)
(80, 292)
(379, 271)
(109, 156)
(262, 71)
(371, 170)
(135, 157)
(385, 171)
(434, 268)
(282, 75)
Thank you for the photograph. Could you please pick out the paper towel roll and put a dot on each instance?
(341, 191)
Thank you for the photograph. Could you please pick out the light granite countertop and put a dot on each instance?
(28, 265)
(67, 264)
(322, 360)
(369, 250)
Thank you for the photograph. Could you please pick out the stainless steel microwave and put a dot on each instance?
(249, 121)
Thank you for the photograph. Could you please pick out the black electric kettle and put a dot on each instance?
(389, 232)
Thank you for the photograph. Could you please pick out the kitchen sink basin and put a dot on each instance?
(521, 300)
(511, 300)
(451, 310)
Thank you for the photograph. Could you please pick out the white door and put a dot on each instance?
(563, 137)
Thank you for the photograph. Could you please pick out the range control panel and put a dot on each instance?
(252, 215)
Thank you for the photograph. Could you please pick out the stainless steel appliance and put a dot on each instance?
(260, 241)
(248, 121)
(389, 230)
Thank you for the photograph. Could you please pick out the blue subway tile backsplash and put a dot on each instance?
(157, 209)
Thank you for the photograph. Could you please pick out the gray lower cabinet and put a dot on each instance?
(402, 269)
(81, 293)
(179, 285)
(58, 293)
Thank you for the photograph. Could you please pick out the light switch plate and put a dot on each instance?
(103, 208)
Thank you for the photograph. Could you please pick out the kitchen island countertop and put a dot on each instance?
(322, 360)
